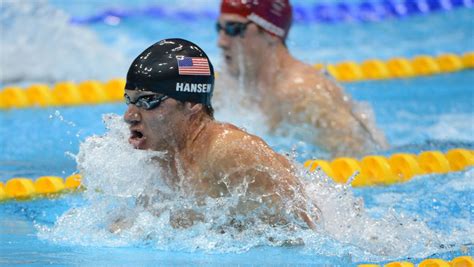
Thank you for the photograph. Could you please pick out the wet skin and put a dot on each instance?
(214, 159)
(246, 46)
(290, 91)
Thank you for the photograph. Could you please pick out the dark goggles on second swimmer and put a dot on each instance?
(232, 29)
(147, 101)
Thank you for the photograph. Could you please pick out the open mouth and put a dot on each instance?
(136, 139)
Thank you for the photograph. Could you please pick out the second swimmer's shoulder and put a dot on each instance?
(300, 76)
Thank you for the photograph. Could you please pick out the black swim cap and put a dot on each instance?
(176, 68)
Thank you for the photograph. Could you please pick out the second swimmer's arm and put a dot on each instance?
(321, 102)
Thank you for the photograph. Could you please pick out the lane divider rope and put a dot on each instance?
(364, 11)
(95, 92)
(62, 94)
(23, 188)
(461, 261)
(399, 67)
(376, 170)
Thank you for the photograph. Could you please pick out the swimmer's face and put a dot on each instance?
(248, 44)
(154, 128)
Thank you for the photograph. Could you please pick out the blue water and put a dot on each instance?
(416, 114)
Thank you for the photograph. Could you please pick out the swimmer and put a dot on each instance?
(252, 37)
(168, 92)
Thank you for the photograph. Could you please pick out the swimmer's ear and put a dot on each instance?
(192, 108)
(271, 40)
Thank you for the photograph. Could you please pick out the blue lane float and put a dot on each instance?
(365, 11)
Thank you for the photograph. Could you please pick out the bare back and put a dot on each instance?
(303, 95)
(228, 161)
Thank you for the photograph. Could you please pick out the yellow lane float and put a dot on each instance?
(468, 60)
(62, 94)
(24, 188)
(462, 261)
(378, 170)
(434, 263)
(449, 62)
(425, 65)
(3, 195)
(398, 168)
(369, 171)
(14, 97)
(73, 182)
(40, 95)
(405, 166)
(49, 185)
(95, 92)
(399, 264)
(343, 168)
(374, 69)
(347, 71)
(19, 188)
(459, 159)
(433, 162)
(399, 67)
(324, 165)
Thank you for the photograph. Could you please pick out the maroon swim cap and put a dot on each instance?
(274, 16)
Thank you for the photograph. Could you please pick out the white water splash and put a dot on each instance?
(39, 45)
(117, 176)
(453, 127)
(58, 116)
(233, 103)
(112, 166)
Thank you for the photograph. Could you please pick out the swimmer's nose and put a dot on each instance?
(132, 115)
(223, 41)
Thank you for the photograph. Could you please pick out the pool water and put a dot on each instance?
(425, 113)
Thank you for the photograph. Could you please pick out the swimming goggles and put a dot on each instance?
(146, 102)
(232, 28)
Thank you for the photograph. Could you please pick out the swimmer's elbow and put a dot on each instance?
(185, 218)
(308, 220)
(120, 224)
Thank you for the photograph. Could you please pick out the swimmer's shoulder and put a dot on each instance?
(232, 146)
(303, 76)
(228, 135)
(227, 140)
(304, 79)
(223, 150)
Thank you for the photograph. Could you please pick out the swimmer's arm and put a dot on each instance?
(120, 224)
(325, 105)
(359, 136)
(183, 218)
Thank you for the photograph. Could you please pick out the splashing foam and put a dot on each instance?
(233, 103)
(112, 166)
(452, 127)
(38, 44)
(120, 179)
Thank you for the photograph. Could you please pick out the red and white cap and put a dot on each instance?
(274, 16)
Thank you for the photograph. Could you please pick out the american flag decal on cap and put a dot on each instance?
(193, 66)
